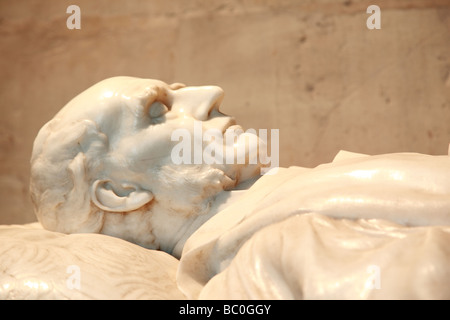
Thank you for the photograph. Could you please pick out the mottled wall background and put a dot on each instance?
(311, 69)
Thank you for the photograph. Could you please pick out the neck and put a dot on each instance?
(221, 201)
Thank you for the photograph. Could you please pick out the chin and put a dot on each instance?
(248, 147)
(249, 172)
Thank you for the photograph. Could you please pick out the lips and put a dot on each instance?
(230, 125)
(221, 122)
(235, 128)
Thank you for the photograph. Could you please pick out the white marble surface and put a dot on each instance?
(39, 264)
(312, 233)
(311, 256)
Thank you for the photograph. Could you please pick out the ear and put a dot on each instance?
(111, 197)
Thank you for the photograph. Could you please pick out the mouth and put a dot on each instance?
(230, 125)
(223, 123)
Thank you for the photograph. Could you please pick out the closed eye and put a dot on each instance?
(157, 109)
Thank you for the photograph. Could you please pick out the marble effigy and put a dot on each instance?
(359, 227)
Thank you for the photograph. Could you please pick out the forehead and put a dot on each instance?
(127, 88)
(110, 89)
(114, 106)
(112, 98)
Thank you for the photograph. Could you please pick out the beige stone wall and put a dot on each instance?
(311, 69)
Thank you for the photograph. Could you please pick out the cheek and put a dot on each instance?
(152, 145)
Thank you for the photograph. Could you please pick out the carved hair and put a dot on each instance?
(65, 156)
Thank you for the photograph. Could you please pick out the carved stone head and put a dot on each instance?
(103, 163)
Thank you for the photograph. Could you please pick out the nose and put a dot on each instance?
(197, 102)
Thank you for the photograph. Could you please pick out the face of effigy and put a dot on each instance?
(104, 163)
